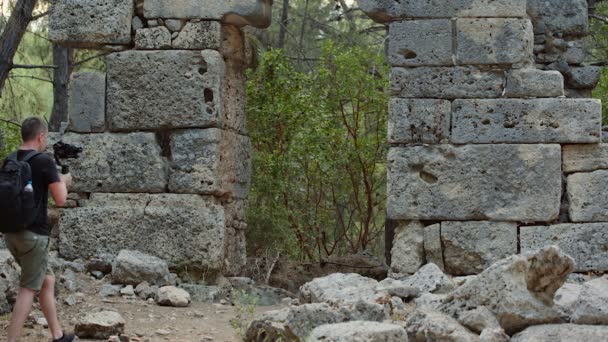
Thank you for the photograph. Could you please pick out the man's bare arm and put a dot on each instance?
(59, 190)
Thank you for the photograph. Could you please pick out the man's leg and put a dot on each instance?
(48, 307)
(23, 305)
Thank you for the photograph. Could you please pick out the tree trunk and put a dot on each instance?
(12, 35)
(389, 237)
(62, 58)
(283, 28)
(302, 31)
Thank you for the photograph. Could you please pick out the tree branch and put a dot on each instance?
(32, 77)
(90, 58)
(27, 66)
(599, 17)
(10, 122)
(38, 16)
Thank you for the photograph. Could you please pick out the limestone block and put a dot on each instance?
(568, 17)
(585, 157)
(164, 89)
(534, 83)
(420, 42)
(433, 251)
(181, 229)
(584, 77)
(358, 331)
(587, 196)
(419, 121)
(236, 213)
(562, 333)
(446, 83)
(129, 162)
(234, 88)
(585, 242)
(87, 102)
(494, 41)
(526, 121)
(210, 161)
(90, 23)
(154, 38)
(474, 182)
(257, 13)
(235, 254)
(389, 10)
(470, 247)
(199, 36)
(407, 254)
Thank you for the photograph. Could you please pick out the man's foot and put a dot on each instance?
(66, 338)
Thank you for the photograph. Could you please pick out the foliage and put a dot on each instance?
(319, 142)
(244, 311)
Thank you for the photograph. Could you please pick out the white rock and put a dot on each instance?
(430, 278)
(173, 296)
(358, 331)
(592, 304)
(100, 325)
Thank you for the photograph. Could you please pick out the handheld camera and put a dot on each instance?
(62, 150)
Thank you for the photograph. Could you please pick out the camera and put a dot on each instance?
(62, 150)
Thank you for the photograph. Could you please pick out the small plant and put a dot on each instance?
(245, 304)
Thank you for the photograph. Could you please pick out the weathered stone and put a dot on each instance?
(424, 121)
(526, 121)
(559, 16)
(100, 325)
(587, 196)
(530, 82)
(494, 335)
(235, 245)
(127, 162)
(154, 38)
(86, 102)
(148, 223)
(446, 83)
(592, 304)
(173, 296)
(562, 333)
(145, 291)
(339, 288)
(430, 278)
(494, 41)
(470, 247)
(359, 331)
(433, 251)
(256, 13)
(210, 161)
(174, 25)
(407, 254)
(127, 291)
(389, 10)
(475, 182)
(109, 290)
(585, 157)
(143, 92)
(234, 86)
(586, 243)
(133, 267)
(566, 298)
(584, 77)
(519, 290)
(430, 301)
(199, 36)
(578, 93)
(426, 325)
(90, 23)
(478, 319)
(420, 42)
(136, 24)
(9, 286)
(101, 263)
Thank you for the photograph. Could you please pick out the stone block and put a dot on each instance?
(90, 23)
(235, 252)
(446, 83)
(534, 83)
(164, 89)
(200, 35)
(154, 38)
(494, 41)
(433, 251)
(181, 229)
(234, 88)
(87, 102)
(389, 10)
(568, 17)
(407, 254)
(474, 182)
(419, 121)
(584, 77)
(585, 157)
(526, 121)
(420, 42)
(471, 247)
(587, 196)
(210, 161)
(257, 13)
(236, 213)
(587, 243)
(116, 163)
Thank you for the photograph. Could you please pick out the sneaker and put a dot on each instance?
(66, 338)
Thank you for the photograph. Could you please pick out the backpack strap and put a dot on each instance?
(30, 155)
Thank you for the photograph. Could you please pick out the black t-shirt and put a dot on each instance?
(44, 172)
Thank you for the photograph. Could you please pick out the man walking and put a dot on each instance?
(30, 245)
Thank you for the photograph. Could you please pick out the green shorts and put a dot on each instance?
(31, 252)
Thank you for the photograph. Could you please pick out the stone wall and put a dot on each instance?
(495, 141)
(166, 163)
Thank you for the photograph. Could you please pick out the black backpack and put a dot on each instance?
(17, 207)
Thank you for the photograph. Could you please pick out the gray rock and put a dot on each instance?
(133, 267)
(566, 298)
(430, 278)
(145, 291)
(90, 23)
(475, 182)
(494, 335)
(494, 41)
(397, 288)
(478, 319)
(199, 36)
(446, 83)
(235, 245)
(74, 266)
(585, 157)
(592, 304)
(584, 242)
(154, 38)
(174, 25)
(109, 290)
(9, 286)
(339, 288)
(359, 331)
(100, 325)
(562, 333)
(424, 325)
(420, 43)
(433, 251)
(86, 102)
(586, 196)
(136, 24)
(173, 296)
(470, 247)
(584, 77)
(424, 121)
(531, 82)
(97, 274)
(430, 301)
(127, 291)
(519, 290)
(559, 16)
(101, 263)
(526, 121)
(203, 293)
(407, 254)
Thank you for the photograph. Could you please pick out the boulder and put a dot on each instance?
(494, 335)
(478, 319)
(109, 290)
(562, 333)
(173, 296)
(358, 331)
(9, 286)
(566, 298)
(133, 267)
(592, 304)
(430, 301)
(424, 325)
(100, 325)
(339, 288)
(430, 278)
(102, 263)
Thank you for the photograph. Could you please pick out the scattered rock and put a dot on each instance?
(77, 267)
(566, 298)
(145, 291)
(339, 288)
(42, 322)
(562, 333)
(430, 278)
(425, 325)
(592, 304)
(493, 335)
(358, 331)
(430, 301)
(133, 267)
(127, 291)
(109, 290)
(70, 300)
(478, 319)
(173, 296)
(100, 325)
(101, 263)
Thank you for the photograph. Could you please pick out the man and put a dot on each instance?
(30, 246)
